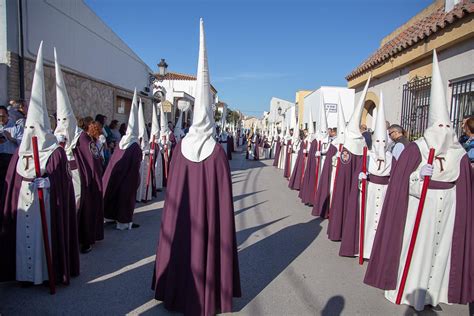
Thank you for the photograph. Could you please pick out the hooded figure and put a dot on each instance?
(322, 146)
(158, 161)
(165, 145)
(289, 143)
(296, 180)
(255, 154)
(307, 190)
(276, 147)
(23, 255)
(196, 269)
(285, 136)
(347, 178)
(322, 198)
(295, 141)
(142, 194)
(178, 130)
(121, 179)
(85, 164)
(379, 162)
(442, 265)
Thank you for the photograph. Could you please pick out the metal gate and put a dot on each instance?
(415, 106)
(462, 102)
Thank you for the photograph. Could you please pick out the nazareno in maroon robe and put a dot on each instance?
(230, 145)
(323, 192)
(64, 240)
(120, 183)
(297, 174)
(277, 152)
(286, 170)
(306, 193)
(382, 271)
(91, 206)
(196, 268)
(347, 178)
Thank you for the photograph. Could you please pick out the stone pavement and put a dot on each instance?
(287, 265)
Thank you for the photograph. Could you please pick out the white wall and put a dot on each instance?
(274, 104)
(454, 62)
(85, 44)
(313, 101)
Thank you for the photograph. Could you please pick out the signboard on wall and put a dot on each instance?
(331, 107)
(167, 106)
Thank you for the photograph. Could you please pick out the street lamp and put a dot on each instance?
(163, 68)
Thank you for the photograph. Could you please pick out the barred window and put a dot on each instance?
(462, 101)
(415, 106)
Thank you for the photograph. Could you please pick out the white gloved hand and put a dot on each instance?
(426, 170)
(338, 154)
(318, 153)
(304, 151)
(362, 176)
(42, 183)
(60, 138)
(146, 151)
(102, 139)
(152, 151)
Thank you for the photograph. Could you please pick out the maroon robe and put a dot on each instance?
(342, 194)
(230, 144)
(277, 152)
(382, 271)
(231, 140)
(64, 240)
(120, 183)
(297, 174)
(91, 206)
(323, 192)
(196, 269)
(307, 190)
(256, 151)
(286, 170)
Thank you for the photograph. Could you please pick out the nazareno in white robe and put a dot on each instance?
(375, 195)
(428, 277)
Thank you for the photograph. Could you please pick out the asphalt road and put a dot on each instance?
(287, 265)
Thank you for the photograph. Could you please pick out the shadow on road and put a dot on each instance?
(246, 233)
(334, 306)
(262, 262)
(242, 210)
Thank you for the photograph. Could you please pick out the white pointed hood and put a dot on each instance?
(66, 121)
(439, 135)
(183, 106)
(131, 135)
(142, 133)
(155, 126)
(379, 140)
(311, 133)
(322, 133)
(354, 141)
(199, 143)
(341, 123)
(163, 124)
(37, 124)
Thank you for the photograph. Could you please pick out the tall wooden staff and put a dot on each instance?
(150, 166)
(362, 208)
(44, 223)
(165, 148)
(318, 161)
(419, 213)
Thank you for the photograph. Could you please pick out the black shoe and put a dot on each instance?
(135, 225)
(86, 248)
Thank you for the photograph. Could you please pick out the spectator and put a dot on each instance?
(469, 143)
(84, 123)
(17, 112)
(102, 120)
(332, 133)
(367, 135)
(397, 135)
(95, 131)
(463, 138)
(10, 139)
(123, 129)
(114, 129)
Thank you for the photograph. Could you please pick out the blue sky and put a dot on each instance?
(258, 48)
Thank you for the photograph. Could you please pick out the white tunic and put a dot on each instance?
(142, 190)
(428, 277)
(31, 262)
(282, 160)
(375, 197)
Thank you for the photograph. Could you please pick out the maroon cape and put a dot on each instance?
(91, 205)
(297, 174)
(307, 190)
(323, 192)
(342, 194)
(277, 152)
(120, 183)
(196, 269)
(65, 245)
(286, 170)
(382, 271)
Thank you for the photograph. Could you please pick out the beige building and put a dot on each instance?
(299, 101)
(401, 67)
